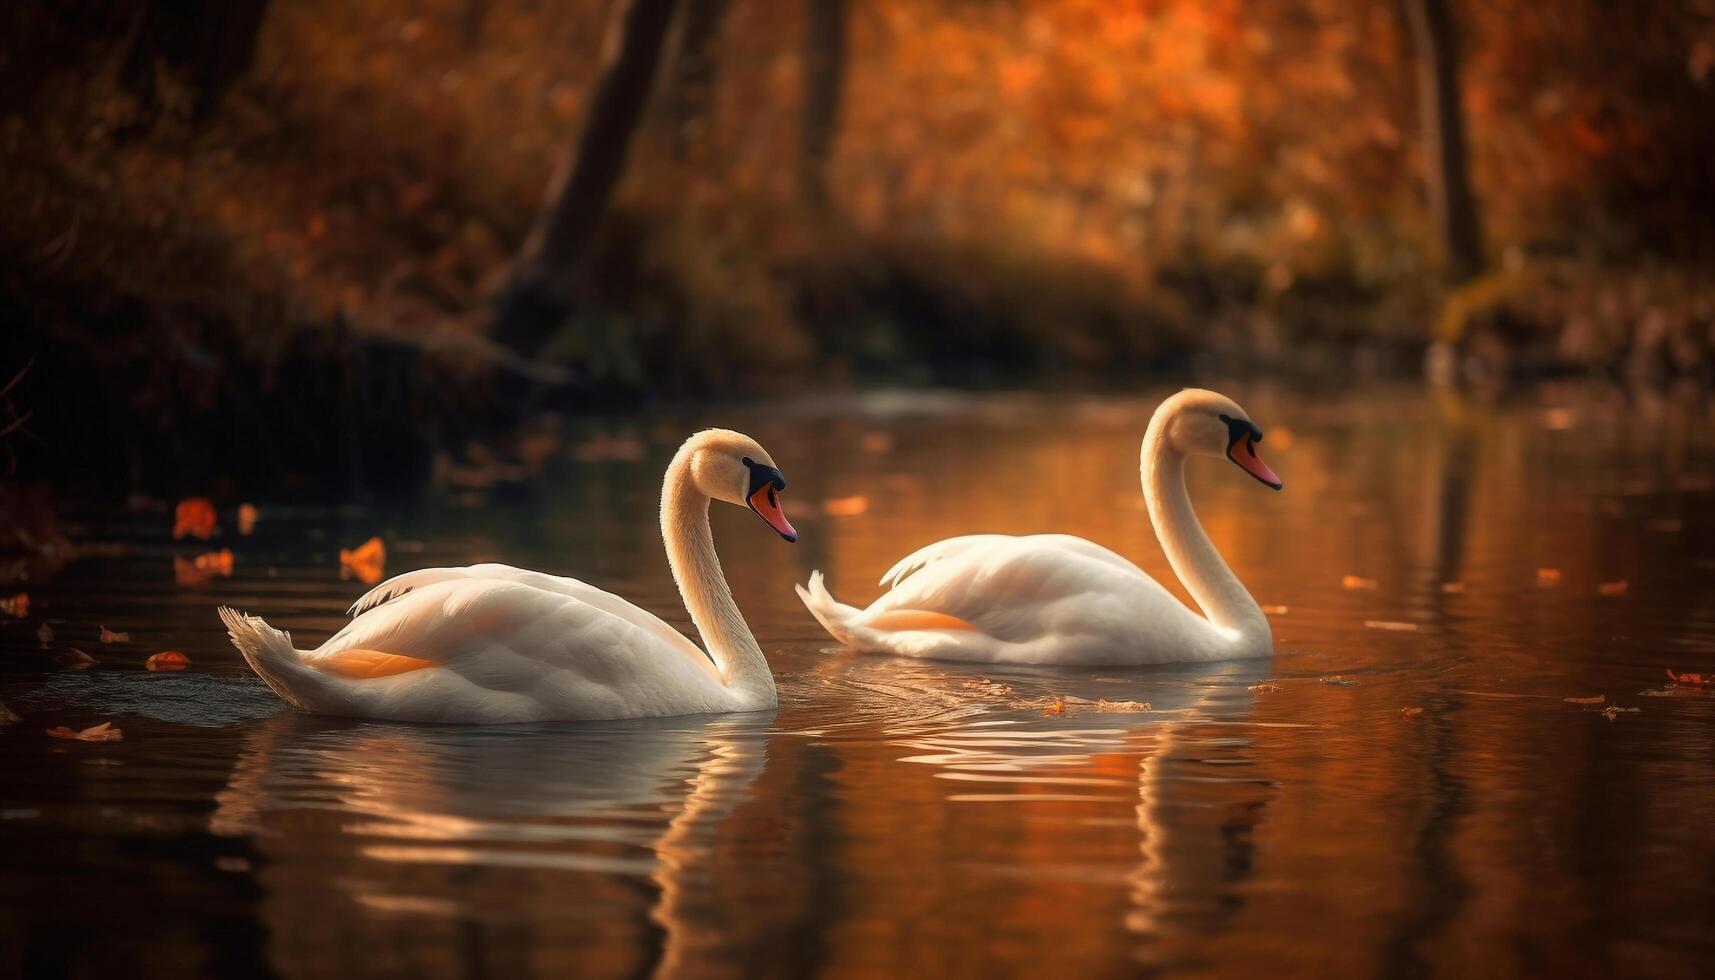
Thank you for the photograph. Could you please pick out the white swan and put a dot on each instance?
(492, 643)
(1057, 599)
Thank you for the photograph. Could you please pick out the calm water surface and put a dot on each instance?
(918, 819)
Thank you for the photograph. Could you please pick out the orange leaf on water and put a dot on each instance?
(1057, 708)
(1598, 699)
(17, 605)
(1691, 680)
(193, 518)
(365, 562)
(104, 732)
(1264, 688)
(1613, 588)
(1452, 588)
(1357, 582)
(1388, 624)
(74, 658)
(167, 660)
(1274, 610)
(845, 506)
(1547, 577)
(1412, 712)
(109, 636)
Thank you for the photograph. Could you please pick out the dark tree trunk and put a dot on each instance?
(541, 291)
(210, 43)
(824, 78)
(1445, 167)
(690, 91)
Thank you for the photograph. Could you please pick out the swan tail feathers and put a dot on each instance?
(270, 654)
(839, 619)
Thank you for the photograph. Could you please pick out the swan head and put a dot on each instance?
(1207, 423)
(732, 467)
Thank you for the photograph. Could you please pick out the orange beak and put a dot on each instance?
(766, 502)
(1243, 453)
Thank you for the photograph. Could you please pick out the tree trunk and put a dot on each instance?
(690, 91)
(541, 291)
(210, 43)
(824, 78)
(1445, 167)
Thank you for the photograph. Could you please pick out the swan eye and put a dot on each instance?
(748, 461)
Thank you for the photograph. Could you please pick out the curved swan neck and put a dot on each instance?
(702, 584)
(1222, 597)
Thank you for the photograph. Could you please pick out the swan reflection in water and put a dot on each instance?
(403, 849)
(1069, 831)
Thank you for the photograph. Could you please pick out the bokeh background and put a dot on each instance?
(324, 230)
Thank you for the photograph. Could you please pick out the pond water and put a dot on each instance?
(1432, 550)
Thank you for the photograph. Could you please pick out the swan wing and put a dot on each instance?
(1016, 588)
(939, 551)
(643, 619)
(504, 634)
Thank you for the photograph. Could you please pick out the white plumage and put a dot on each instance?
(1059, 599)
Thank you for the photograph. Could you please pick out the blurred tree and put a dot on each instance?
(690, 90)
(208, 43)
(1446, 173)
(543, 282)
(824, 78)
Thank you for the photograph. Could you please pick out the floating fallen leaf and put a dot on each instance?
(1691, 680)
(246, 518)
(1264, 688)
(109, 636)
(1057, 708)
(881, 442)
(364, 562)
(1120, 707)
(167, 660)
(1598, 699)
(1388, 624)
(202, 568)
(1356, 582)
(1613, 588)
(986, 686)
(104, 732)
(45, 634)
(1274, 610)
(1339, 681)
(74, 658)
(1613, 711)
(1547, 577)
(1412, 712)
(845, 506)
(193, 518)
(1452, 588)
(7, 716)
(18, 605)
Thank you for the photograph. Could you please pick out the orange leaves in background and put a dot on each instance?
(1547, 577)
(109, 636)
(17, 605)
(845, 506)
(247, 515)
(167, 660)
(194, 518)
(366, 562)
(104, 732)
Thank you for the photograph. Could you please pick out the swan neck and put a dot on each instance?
(1217, 591)
(703, 586)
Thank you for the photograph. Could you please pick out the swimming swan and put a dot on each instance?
(1058, 599)
(492, 643)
